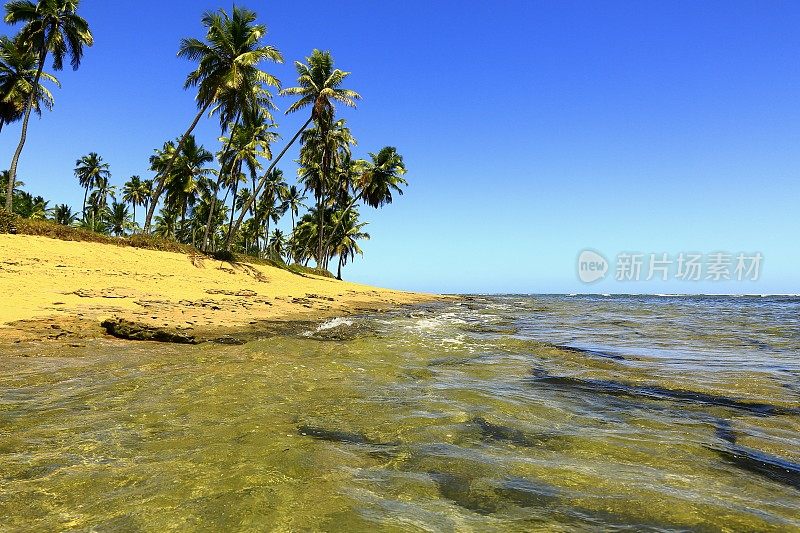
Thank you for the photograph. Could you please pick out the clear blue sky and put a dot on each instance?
(531, 129)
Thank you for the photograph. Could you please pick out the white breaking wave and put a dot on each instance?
(330, 324)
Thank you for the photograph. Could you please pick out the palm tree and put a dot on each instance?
(89, 170)
(274, 184)
(319, 86)
(249, 142)
(294, 201)
(133, 192)
(269, 210)
(17, 184)
(119, 219)
(28, 206)
(182, 182)
(147, 191)
(377, 179)
(346, 239)
(18, 66)
(166, 222)
(98, 199)
(51, 26)
(277, 243)
(64, 215)
(381, 176)
(325, 146)
(227, 64)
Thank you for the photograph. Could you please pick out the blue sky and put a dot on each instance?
(531, 130)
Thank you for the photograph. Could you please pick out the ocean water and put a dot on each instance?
(487, 413)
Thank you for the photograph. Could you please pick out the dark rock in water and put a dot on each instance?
(228, 340)
(508, 434)
(346, 437)
(724, 431)
(458, 490)
(125, 329)
(586, 351)
(652, 392)
(525, 493)
(763, 464)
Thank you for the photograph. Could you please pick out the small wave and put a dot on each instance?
(330, 324)
(334, 323)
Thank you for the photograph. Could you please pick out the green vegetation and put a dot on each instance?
(225, 201)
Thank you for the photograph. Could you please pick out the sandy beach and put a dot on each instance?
(62, 290)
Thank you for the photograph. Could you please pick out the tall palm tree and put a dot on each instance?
(294, 201)
(376, 180)
(249, 143)
(98, 199)
(147, 191)
(133, 192)
(89, 169)
(382, 176)
(325, 146)
(182, 182)
(270, 209)
(51, 27)
(18, 66)
(227, 63)
(345, 244)
(319, 86)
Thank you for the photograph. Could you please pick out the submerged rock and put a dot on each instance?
(508, 434)
(458, 489)
(526, 493)
(654, 392)
(125, 329)
(763, 464)
(755, 461)
(334, 435)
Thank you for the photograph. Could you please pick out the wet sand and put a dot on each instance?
(64, 290)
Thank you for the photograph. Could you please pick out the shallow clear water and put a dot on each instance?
(491, 413)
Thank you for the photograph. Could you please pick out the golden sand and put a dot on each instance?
(62, 289)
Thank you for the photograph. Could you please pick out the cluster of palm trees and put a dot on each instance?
(234, 198)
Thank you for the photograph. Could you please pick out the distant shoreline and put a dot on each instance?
(64, 290)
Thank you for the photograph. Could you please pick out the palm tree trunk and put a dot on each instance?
(254, 212)
(219, 182)
(183, 215)
(134, 214)
(263, 178)
(266, 237)
(233, 202)
(85, 195)
(320, 229)
(163, 177)
(12, 172)
(339, 271)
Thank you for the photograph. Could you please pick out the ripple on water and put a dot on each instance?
(647, 413)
